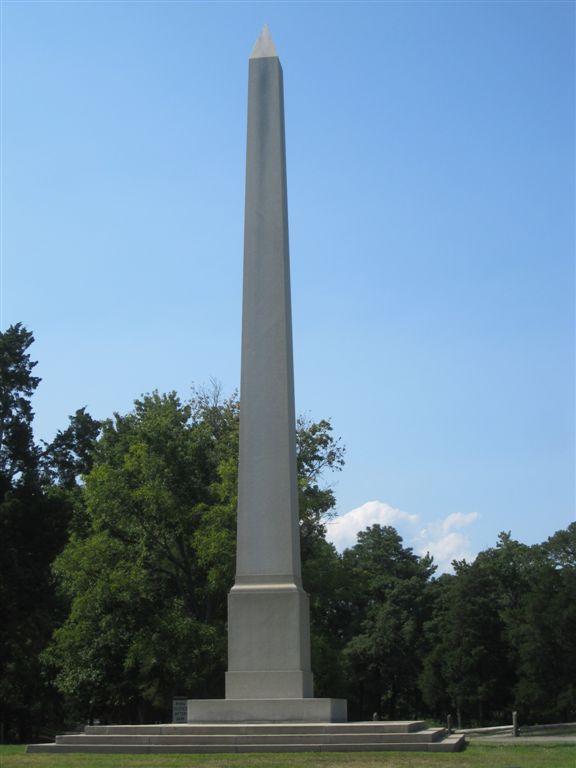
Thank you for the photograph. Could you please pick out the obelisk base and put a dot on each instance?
(267, 711)
(268, 642)
(269, 684)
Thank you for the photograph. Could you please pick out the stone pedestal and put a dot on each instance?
(268, 643)
(306, 710)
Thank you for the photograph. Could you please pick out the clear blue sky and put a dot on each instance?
(431, 196)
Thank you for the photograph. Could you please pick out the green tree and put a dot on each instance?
(502, 634)
(388, 605)
(34, 516)
(542, 631)
(148, 573)
(24, 547)
(468, 663)
(70, 455)
(323, 575)
(18, 454)
(147, 594)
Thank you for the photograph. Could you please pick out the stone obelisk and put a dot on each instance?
(268, 614)
(269, 677)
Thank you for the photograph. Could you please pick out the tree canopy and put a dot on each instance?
(117, 551)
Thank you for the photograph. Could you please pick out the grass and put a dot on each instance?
(475, 756)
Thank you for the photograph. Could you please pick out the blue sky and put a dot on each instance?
(431, 166)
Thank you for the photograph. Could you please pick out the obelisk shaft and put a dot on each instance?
(268, 623)
(268, 534)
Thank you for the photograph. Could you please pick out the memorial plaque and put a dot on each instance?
(179, 710)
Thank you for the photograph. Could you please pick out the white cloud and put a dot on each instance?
(444, 544)
(459, 520)
(443, 538)
(343, 529)
(454, 546)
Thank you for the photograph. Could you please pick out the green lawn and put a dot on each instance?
(475, 756)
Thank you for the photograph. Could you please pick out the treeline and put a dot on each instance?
(117, 546)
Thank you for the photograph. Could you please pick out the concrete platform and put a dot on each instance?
(401, 736)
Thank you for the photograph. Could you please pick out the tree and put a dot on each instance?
(469, 656)
(18, 454)
(147, 617)
(542, 632)
(159, 541)
(135, 519)
(33, 527)
(502, 634)
(470, 667)
(389, 604)
(70, 455)
(37, 497)
(24, 546)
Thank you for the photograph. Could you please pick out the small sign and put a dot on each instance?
(180, 710)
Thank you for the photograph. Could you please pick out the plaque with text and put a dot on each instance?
(179, 710)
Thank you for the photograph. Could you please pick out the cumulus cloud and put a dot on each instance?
(343, 529)
(459, 520)
(445, 544)
(444, 539)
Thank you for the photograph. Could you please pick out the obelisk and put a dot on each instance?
(268, 614)
(269, 677)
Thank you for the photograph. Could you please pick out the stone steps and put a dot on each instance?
(197, 739)
(378, 726)
(226, 739)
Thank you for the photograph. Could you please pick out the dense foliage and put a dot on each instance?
(117, 552)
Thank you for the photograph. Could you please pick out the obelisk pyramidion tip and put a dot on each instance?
(264, 47)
